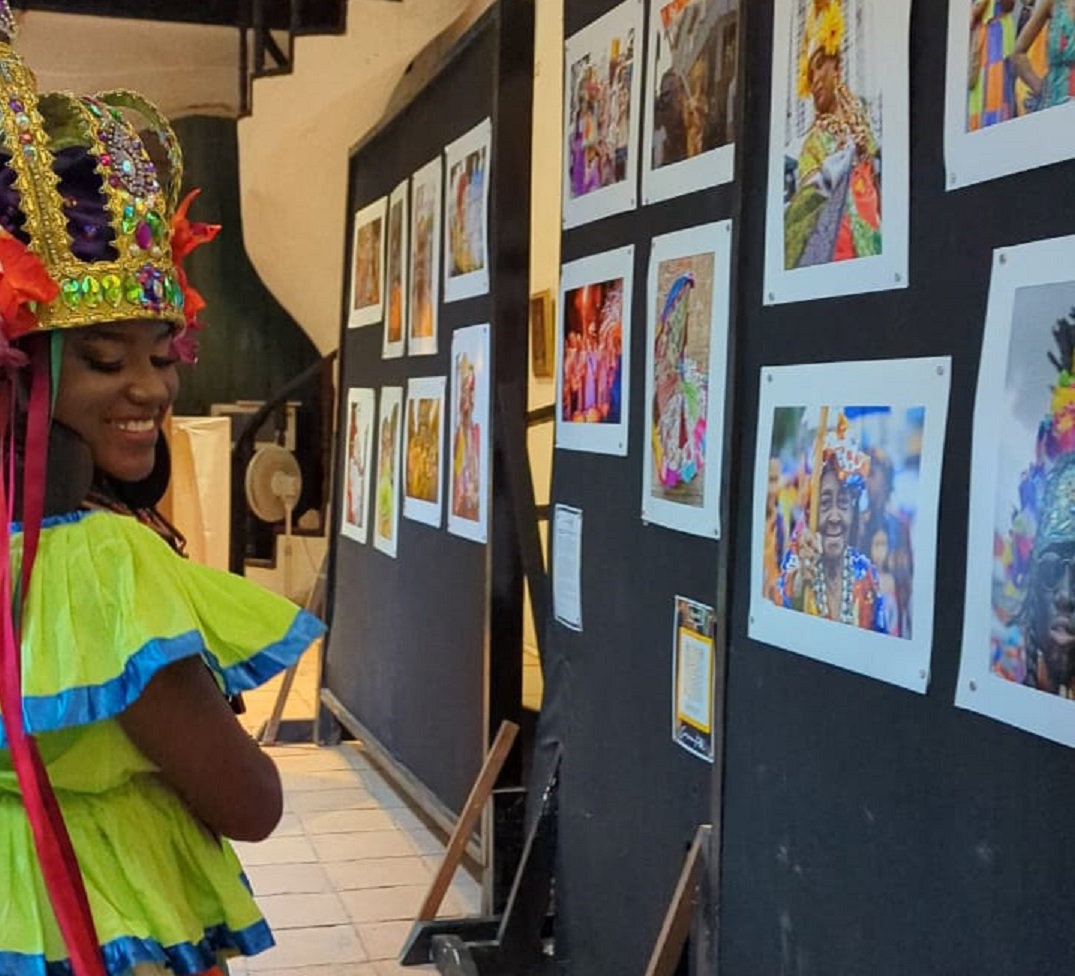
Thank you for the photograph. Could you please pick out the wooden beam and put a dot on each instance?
(677, 921)
(468, 819)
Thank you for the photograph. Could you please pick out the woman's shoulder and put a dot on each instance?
(110, 604)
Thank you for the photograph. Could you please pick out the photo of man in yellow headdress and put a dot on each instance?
(832, 172)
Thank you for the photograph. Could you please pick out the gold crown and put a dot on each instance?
(127, 270)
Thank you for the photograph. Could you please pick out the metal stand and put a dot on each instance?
(515, 943)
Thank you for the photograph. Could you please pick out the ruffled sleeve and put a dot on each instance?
(111, 604)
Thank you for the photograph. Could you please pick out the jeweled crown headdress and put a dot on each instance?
(841, 449)
(89, 185)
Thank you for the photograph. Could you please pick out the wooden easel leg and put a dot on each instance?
(677, 920)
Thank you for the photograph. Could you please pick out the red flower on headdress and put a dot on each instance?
(187, 236)
(24, 282)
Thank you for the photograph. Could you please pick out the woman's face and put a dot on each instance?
(117, 382)
(824, 74)
(835, 512)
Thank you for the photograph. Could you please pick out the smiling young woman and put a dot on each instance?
(117, 743)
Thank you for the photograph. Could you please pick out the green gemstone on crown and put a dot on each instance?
(112, 287)
(71, 292)
(132, 290)
(156, 224)
(91, 291)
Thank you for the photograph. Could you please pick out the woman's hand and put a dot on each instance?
(809, 560)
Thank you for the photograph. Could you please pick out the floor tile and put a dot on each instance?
(384, 904)
(289, 826)
(283, 879)
(425, 841)
(302, 911)
(276, 850)
(377, 872)
(310, 760)
(338, 969)
(355, 846)
(354, 798)
(346, 821)
(389, 967)
(303, 948)
(384, 940)
(327, 779)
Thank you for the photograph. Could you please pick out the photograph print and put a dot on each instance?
(690, 97)
(466, 219)
(602, 85)
(468, 492)
(423, 450)
(424, 278)
(386, 499)
(593, 347)
(1018, 656)
(359, 422)
(838, 198)
(395, 317)
(1010, 99)
(847, 481)
(686, 378)
(366, 305)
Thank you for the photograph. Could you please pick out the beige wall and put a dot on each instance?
(545, 223)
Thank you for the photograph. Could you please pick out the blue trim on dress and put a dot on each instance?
(123, 954)
(69, 518)
(86, 704)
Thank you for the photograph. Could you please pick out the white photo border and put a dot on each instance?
(469, 339)
(365, 398)
(418, 509)
(896, 383)
(400, 195)
(617, 197)
(715, 239)
(885, 271)
(1015, 146)
(978, 689)
(712, 168)
(474, 283)
(371, 314)
(430, 175)
(597, 438)
(391, 396)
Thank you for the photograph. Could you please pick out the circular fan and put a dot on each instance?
(273, 483)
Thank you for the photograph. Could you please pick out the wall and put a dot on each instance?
(545, 184)
(293, 149)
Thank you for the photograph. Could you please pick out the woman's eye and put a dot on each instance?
(104, 365)
(164, 362)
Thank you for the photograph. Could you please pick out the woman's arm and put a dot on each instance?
(183, 724)
(1020, 59)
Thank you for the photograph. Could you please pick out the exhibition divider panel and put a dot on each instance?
(424, 655)
(870, 824)
(636, 559)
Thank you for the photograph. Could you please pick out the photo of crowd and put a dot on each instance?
(1021, 59)
(692, 86)
(841, 503)
(599, 122)
(592, 365)
(832, 139)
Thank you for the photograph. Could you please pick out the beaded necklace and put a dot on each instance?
(821, 592)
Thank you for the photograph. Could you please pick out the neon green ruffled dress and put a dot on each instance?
(110, 604)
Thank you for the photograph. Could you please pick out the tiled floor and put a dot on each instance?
(346, 870)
